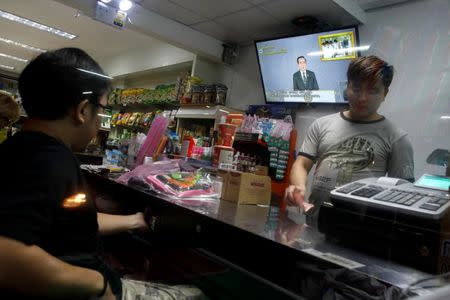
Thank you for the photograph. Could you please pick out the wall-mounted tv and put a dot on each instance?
(307, 68)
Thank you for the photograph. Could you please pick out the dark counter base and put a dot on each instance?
(284, 270)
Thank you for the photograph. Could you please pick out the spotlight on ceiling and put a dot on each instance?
(125, 5)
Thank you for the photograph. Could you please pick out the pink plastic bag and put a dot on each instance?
(155, 168)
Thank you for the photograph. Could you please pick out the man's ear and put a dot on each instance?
(81, 112)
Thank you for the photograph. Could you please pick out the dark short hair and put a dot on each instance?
(301, 57)
(53, 82)
(370, 69)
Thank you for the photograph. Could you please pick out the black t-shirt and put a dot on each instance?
(42, 202)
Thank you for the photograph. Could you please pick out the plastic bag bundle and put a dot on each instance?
(184, 184)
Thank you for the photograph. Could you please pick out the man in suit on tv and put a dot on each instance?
(304, 79)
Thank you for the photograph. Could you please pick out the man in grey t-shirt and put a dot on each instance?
(353, 144)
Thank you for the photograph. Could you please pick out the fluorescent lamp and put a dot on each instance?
(13, 57)
(106, 1)
(87, 93)
(102, 4)
(339, 51)
(103, 115)
(36, 25)
(11, 42)
(125, 5)
(94, 73)
(445, 117)
(6, 67)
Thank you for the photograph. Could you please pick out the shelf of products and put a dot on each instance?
(162, 94)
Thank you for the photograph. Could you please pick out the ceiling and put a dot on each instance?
(241, 21)
(98, 39)
(235, 21)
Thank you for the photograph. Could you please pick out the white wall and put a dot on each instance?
(207, 70)
(411, 36)
(414, 38)
(145, 59)
(243, 80)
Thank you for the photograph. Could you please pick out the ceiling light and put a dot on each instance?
(445, 117)
(104, 115)
(125, 5)
(36, 25)
(21, 45)
(106, 1)
(94, 73)
(6, 67)
(13, 57)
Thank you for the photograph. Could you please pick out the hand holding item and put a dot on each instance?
(295, 195)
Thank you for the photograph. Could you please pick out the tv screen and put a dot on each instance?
(308, 68)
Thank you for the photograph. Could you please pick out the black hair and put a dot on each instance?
(56, 81)
(370, 69)
(301, 57)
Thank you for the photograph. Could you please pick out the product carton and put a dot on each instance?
(224, 174)
(250, 217)
(261, 170)
(246, 188)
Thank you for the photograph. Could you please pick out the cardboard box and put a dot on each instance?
(261, 170)
(224, 175)
(246, 188)
(250, 217)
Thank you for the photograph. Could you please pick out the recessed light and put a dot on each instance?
(125, 5)
(6, 67)
(11, 42)
(13, 57)
(36, 25)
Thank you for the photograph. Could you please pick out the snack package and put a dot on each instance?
(132, 119)
(114, 118)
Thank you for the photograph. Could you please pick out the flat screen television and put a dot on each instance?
(308, 68)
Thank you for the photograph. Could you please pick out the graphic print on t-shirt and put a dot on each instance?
(342, 160)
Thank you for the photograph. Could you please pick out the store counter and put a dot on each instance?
(276, 247)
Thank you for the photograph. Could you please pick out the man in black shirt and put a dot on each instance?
(48, 224)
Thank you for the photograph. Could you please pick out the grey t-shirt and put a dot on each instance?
(346, 150)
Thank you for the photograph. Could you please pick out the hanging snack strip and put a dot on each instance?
(272, 142)
(283, 146)
(279, 147)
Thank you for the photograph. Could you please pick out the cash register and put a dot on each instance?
(393, 218)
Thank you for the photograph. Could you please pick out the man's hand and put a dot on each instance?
(139, 223)
(112, 224)
(295, 195)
